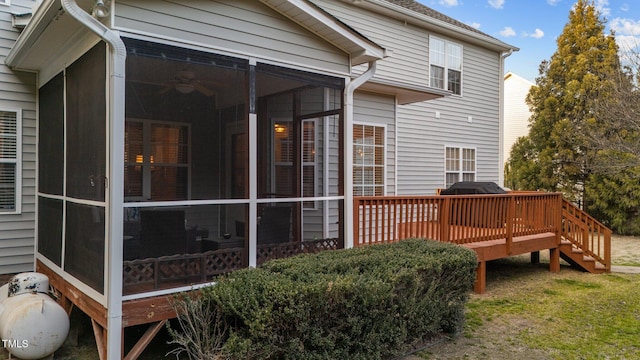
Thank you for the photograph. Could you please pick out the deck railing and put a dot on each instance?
(586, 233)
(459, 219)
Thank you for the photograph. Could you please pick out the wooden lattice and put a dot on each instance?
(268, 252)
(223, 261)
(203, 267)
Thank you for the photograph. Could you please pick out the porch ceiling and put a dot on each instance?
(405, 93)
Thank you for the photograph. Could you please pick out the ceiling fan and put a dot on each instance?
(185, 82)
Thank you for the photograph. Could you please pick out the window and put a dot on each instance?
(156, 161)
(368, 160)
(446, 65)
(284, 156)
(10, 169)
(460, 165)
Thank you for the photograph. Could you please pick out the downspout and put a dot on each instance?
(348, 151)
(501, 159)
(115, 187)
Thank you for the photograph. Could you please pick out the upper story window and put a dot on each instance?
(10, 145)
(460, 165)
(445, 70)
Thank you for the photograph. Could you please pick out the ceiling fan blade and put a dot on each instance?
(203, 90)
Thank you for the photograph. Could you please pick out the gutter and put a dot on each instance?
(348, 151)
(115, 171)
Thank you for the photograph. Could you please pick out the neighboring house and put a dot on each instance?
(17, 148)
(516, 110)
(178, 140)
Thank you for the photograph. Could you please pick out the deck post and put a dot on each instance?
(356, 222)
(554, 260)
(535, 257)
(511, 215)
(443, 217)
(481, 278)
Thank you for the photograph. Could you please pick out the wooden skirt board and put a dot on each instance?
(154, 311)
(497, 249)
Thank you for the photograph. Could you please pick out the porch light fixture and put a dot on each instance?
(279, 128)
(100, 9)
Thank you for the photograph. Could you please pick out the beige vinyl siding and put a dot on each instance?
(245, 27)
(379, 110)
(422, 137)
(17, 91)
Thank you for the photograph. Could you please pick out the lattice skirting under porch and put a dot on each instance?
(177, 270)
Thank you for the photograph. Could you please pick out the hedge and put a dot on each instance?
(372, 302)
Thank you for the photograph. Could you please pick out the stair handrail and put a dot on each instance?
(592, 237)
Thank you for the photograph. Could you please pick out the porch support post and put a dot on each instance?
(115, 180)
(535, 257)
(554, 260)
(253, 166)
(348, 151)
(481, 278)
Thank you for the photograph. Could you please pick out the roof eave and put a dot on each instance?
(402, 13)
(44, 14)
(332, 30)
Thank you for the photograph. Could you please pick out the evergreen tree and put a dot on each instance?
(560, 156)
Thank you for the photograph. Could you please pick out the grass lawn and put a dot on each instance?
(530, 313)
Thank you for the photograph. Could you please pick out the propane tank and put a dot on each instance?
(32, 324)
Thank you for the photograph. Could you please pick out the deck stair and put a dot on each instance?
(585, 242)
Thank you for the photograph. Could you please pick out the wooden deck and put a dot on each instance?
(494, 226)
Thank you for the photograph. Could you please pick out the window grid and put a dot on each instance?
(445, 65)
(368, 160)
(460, 165)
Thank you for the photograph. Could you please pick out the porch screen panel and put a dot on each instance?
(86, 125)
(298, 115)
(51, 136)
(186, 124)
(50, 229)
(84, 244)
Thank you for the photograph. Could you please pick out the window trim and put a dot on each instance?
(460, 172)
(384, 157)
(446, 65)
(146, 164)
(17, 161)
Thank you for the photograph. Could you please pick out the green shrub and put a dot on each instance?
(366, 303)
